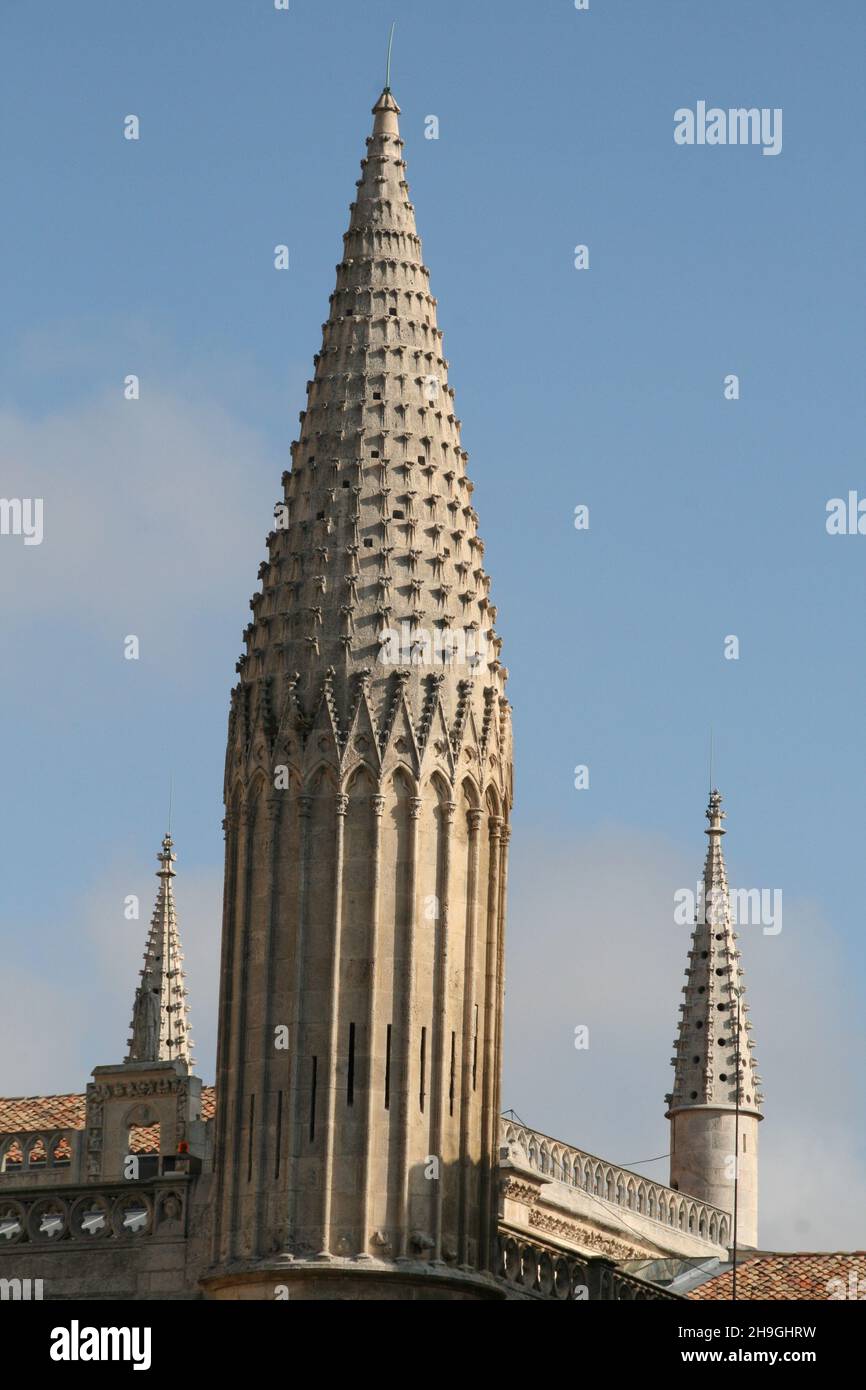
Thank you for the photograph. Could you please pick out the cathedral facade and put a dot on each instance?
(353, 1145)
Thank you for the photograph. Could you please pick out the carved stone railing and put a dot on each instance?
(618, 1186)
(87, 1215)
(50, 1155)
(539, 1271)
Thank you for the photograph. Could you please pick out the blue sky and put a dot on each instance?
(602, 387)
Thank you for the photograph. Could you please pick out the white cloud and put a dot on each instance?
(41, 1035)
(155, 513)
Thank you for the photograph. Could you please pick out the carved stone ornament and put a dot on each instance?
(586, 1237)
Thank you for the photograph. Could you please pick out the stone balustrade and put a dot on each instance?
(35, 1158)
(618, 1186)
(32, 1150)
(116, 1212)
(542, 1272)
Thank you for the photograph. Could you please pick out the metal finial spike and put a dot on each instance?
(388, 64)
(170, 798)
(711, 757)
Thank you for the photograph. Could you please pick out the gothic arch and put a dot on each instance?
(61, 1151)
(295, 779)
(256, 793)
(401, 780)
(37, 1152)
(361, 772)
(438, 784)
(471, 791)
(142, 1116)
(320, 777)
(494, 805)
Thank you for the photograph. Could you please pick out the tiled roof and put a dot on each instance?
(798, 1275)
(45, 1114)
(28, 1113)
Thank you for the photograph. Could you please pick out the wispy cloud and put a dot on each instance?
(153, 512)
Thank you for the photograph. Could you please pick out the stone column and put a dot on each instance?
(440, 995)
(378, 804)
(342, 806)
(233, 1094)
(488, 1094)
(467, 1098)
(500, 988)
(415, 804)
(265, 1069)
(295, 1122)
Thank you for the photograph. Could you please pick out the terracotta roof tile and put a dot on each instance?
(798, 1275)
(45, 1114)
(28, 1113)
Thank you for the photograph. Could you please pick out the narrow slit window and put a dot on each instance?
(279, 1134)
(350, 1073)
(388, 1069)
(451, 1082)
(313, 1099)
(423, 1067)
(250, 1139)
(475, 1051)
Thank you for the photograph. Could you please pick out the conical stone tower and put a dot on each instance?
(160, 1014)
(708, 1126)
(368, 785)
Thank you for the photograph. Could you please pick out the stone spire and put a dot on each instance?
(160, 1014)
(375, 564)
(704, 1064)
(367, 789)
(715, 1033)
